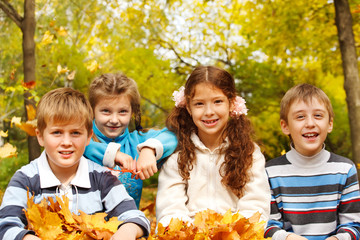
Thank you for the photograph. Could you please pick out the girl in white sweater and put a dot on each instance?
(216, 165)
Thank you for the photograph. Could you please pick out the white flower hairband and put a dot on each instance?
(179, 97)
(239, 104)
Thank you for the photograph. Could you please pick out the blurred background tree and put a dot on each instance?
(267, 45)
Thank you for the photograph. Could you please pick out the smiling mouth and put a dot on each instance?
(209, 122)
(310, 135)
(66, 152)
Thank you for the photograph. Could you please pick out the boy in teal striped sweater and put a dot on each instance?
(315, 193)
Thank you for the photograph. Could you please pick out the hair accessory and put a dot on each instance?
(239, 107)
(179, 97)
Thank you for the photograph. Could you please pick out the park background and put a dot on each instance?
(267, 45)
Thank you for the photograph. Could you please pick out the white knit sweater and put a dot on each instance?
(205, 190)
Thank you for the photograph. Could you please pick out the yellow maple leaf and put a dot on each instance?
(15, 120)
(62, 32)
(28, 126)
(31, 112)
(93, 66)
(209, 225)
(53, 220)
(3, 134)
(7, 151)
(61, 70)
(47, 38)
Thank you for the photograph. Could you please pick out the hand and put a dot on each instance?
(332, 238)
(146, 163)
(30, 237)
(128, 231)
(294, 236)
(124, 160)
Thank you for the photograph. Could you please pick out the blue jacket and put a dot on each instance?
(129, 141)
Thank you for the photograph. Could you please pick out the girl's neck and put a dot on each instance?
(211, 142)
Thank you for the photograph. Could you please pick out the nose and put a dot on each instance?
(310, 122)
(67, 140)
(209, 110)
(114, 119)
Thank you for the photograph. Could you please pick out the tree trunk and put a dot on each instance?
(28, 29)
(343, 21)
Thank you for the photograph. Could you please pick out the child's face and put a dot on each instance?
(64, 145)
(308, 125)
(209, 109)
(112, 116)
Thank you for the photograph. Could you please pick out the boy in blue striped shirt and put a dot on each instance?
(64, 128)
(315, 193)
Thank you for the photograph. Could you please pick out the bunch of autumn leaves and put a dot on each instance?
(53, 220)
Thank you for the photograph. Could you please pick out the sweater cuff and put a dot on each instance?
(154, 144)
(281, 235)
(110, 154)
(343, 236)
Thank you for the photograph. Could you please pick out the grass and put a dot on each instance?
(8, 167)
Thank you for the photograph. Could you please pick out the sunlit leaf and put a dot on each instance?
(16, 121)
(8, 150)
(93, 66)
(61, 70)
(3, 134)
(29, 85)
(71, 76)
(53, 220)
(209, 225)
(31, 112)
(62, 32)
(47, 38)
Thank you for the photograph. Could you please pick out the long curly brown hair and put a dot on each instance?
(238, 155)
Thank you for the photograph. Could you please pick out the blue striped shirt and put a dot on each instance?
(92, 190)
(315, 197)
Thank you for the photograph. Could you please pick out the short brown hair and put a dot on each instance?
(304, 92)
(112, 85)
(64, 105)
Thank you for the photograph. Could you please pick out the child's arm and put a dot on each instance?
(31, 237)
(146, 163)
(157, 145)
(128, 231)
(349, 207)
(12, 216)
(171, 195)
(257, 195)
(118, 203)
(108, 155)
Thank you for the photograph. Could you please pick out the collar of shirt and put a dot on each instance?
(308, 161)
(48, 178)
(200, 145)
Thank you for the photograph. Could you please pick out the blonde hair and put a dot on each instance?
(304, 92)
(64, 105)
(112, 85)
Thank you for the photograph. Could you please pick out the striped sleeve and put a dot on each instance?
(117, 202)
(12, 217)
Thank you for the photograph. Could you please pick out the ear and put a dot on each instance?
(232, 105)
(284, 127)
(331, 125)
(39, 137)
(90, 134)
(188, 109)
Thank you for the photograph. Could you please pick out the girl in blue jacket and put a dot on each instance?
(115, 100)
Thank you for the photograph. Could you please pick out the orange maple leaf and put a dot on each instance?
(209, 225)
(53, 220)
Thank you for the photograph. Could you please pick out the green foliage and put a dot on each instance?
(268, 46)
(8, 167)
